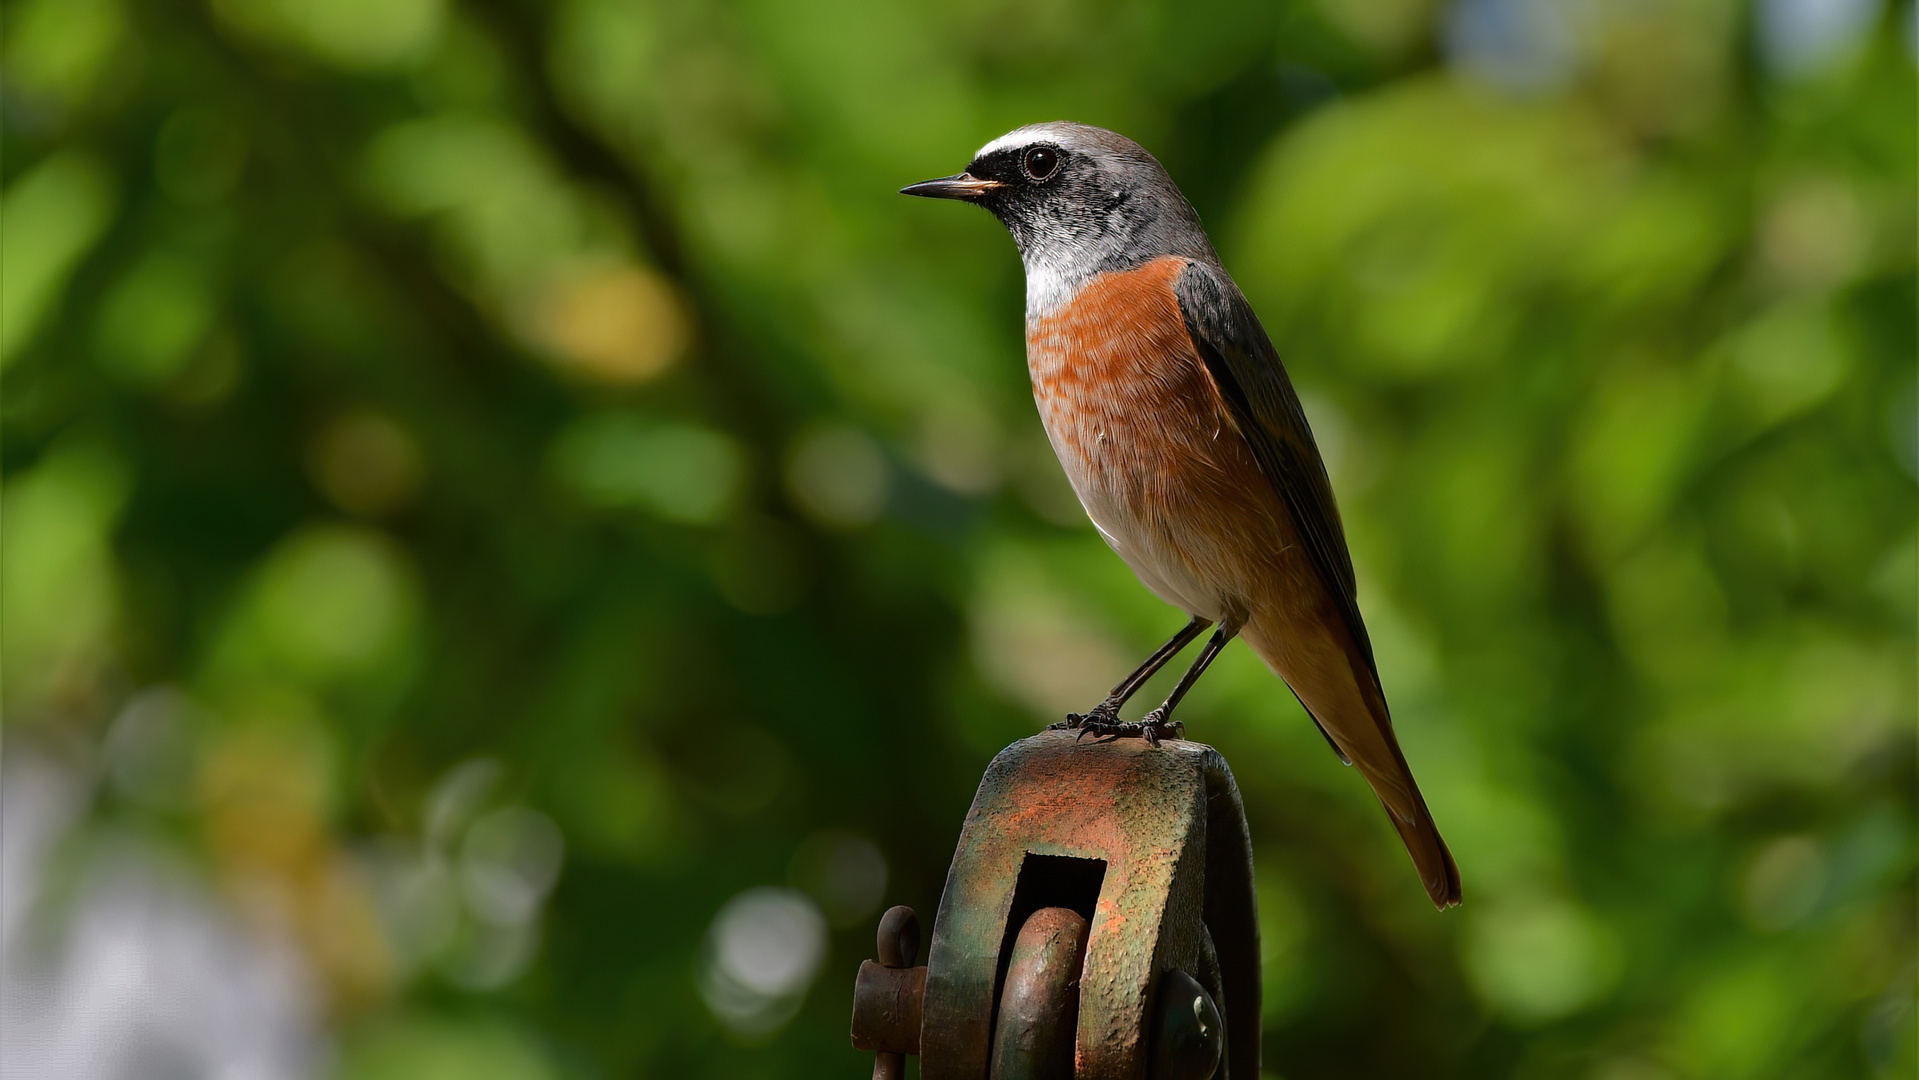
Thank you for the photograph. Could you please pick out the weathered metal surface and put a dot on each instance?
(898, 941)
(1189, 1035)
(1231, 945)
(1166, 825)
(1039, 1004)
(887, 995)
(886, 1008)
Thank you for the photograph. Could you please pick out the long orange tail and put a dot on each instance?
(1339, 690)
(1423, 842)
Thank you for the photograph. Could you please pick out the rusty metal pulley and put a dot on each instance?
(1098, 922)
(1039, 1003)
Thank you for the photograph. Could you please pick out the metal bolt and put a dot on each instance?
(899, 937)
(1190, 1038)
(888, 994)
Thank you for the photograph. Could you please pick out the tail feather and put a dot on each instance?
(1430, 856)
(1342, 696)
(1392, 782)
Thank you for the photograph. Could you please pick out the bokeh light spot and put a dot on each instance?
(57, 581)
(335, 601)
(148, 752)
(1521, 46)
(1539, 959)
(1783, 883)
(839, 475)
(155, 318)
(56, 49)
(508, 864)
(959, 448)
(763, 951)
(1798, 37)
(1813, 236)
(1789, 359)
(1033, 644)
(844, 871)
(365, 463)
(355, 35)
(681, 471)
(54, 212)
(618, 324)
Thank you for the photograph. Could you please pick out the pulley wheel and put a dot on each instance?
(1039, 1005)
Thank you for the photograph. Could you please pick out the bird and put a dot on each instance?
(1180, 431)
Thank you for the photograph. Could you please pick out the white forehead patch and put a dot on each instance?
(1014, 138)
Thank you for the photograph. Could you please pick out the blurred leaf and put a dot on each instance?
(54, 214)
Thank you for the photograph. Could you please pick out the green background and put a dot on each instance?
(535, 436)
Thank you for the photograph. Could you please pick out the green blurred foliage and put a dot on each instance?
(532, 439)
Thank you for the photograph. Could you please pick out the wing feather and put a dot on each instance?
(1251, 379)
(1247, 369)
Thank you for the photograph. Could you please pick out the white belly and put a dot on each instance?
(1143, 539)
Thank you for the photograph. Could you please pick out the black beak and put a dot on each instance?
(962, 187)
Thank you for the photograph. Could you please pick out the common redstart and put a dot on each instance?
(1181, 433)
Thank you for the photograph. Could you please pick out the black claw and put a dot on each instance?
(1103, 713)
(1174, 729)
(1151, 729)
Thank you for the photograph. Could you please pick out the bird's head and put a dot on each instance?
(1077, 199)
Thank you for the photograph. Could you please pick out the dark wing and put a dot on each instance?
(1244, 363)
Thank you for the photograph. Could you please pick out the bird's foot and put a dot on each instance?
(1152, 728)
(1106, 712)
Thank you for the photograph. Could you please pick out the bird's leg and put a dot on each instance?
(1108, 711)
(1159, 724)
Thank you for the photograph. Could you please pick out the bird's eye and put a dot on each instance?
(1042, 162)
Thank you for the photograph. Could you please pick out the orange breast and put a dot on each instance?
(1146, 439)
(1120, 385)
(1122, 326)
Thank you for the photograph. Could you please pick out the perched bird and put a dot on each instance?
(1174, 419)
